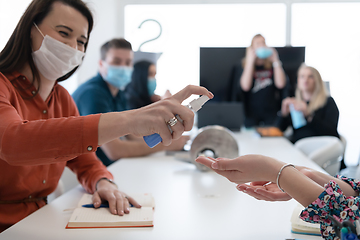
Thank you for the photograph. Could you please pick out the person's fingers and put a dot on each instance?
(170, 108)
(133, 202)
(190, 90)
(96, 200)
(165, 135)
(258, 183)
(227, 164)
(263, 193)
(273, 196)
(251, 192)
(187, 117)
(242, 187)
(112, 203)
(185, 138)
(224, 169)
(119, 200)
(122, 204)
(126, 206)
(164, 130)
(205, 161)
(177, 129)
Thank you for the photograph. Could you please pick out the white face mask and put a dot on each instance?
(54, 59)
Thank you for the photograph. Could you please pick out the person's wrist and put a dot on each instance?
(277, 63)
(275, 167)
(280, 174)
(104, 182)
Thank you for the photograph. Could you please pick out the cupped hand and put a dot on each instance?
(119, 202)
(244, 169)
(154, 117)
(267, 191)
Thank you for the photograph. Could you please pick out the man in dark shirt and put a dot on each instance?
(106, 93)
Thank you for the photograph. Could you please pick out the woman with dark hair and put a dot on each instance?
(140, 91)
(41, 131)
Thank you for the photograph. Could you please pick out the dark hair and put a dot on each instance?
(137, 91)
(114, 43)
(17, 51)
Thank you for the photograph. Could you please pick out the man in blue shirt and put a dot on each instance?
(105, 93)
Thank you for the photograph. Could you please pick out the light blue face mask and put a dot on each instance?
(263, 52)
(118, 76)
(151, 86)
(297, 117)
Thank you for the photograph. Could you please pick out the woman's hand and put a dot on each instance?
(285, 110)
(155, 98)
(250, 56)
(267, 191)
(244, 169)
(167, 94)
(261, 170)
(178, 144)
(119, 202)
(301, 106)
(154, 117)
(298, 105)
(274, 56)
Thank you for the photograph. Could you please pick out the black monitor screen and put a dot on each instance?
(219, 74)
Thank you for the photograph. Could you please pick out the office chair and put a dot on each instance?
(326, 151)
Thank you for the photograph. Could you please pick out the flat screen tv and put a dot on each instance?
(219, 69)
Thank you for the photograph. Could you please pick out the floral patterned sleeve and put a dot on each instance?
(333, 202)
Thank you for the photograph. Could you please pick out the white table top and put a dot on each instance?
(189, 204)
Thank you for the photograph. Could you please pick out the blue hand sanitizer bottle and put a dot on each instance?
(154, 139)
(297, 117)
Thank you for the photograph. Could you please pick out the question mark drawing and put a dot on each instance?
(153, 39)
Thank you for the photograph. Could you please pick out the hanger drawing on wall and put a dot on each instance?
(148, 56)
(152, 39)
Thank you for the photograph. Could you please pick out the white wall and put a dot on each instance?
(106, 17)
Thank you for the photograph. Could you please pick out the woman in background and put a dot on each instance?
(261, 83)
(141, 90)
(320, 112)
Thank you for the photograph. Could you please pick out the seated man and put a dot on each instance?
(105, 93)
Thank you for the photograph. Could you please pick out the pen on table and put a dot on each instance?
(103, 205)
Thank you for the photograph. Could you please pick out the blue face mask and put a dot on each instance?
(151, 86)
(297, 117)
(118, 76)
(263, 52)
